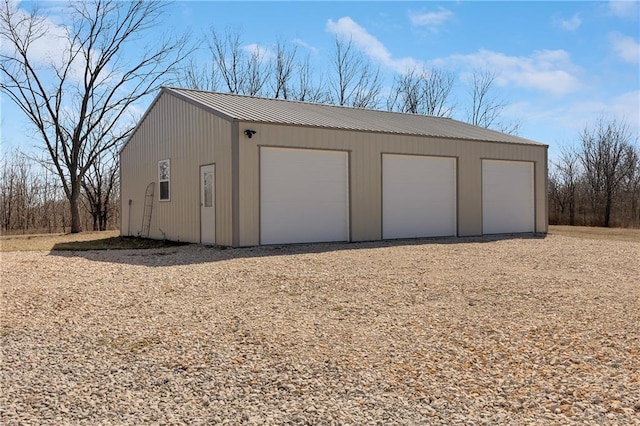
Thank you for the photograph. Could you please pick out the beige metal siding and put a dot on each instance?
(366, 151)
(190, 137)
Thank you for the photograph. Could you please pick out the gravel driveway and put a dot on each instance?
(468, 331)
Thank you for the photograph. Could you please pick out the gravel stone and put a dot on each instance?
(469, 331)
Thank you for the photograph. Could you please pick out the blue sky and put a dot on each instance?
(560, 65)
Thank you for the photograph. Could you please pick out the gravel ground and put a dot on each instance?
(468, 331)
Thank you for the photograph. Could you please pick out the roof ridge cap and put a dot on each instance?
(296, 101)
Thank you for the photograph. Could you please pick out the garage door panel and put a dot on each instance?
(419, 196)
(287, 228)
(508, 204)
(303, 196)
(293, 211)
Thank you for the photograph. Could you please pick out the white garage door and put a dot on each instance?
(304, 196)
(507, 197)
(418, 196)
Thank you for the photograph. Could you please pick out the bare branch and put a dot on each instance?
(83, 111)
(353, 81)
(486, 109)
(608, 158)
(424, 92)
(283, 69)
(306, 89)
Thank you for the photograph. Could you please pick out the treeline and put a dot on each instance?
(32, 200)
(597, 181)
(349, 78)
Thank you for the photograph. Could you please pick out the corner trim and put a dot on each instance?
(235, 183)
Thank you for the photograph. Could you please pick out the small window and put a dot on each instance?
(208, 189)
(164, 175)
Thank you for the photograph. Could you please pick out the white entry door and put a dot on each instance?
(208, 204)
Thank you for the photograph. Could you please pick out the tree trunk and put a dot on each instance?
(104, 218)
(74, 205)
(572, 213)
(607, 210)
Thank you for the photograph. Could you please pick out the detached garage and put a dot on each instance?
(234, 170)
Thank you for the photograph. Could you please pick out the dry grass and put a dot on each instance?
(110, 240)
(106, 240)
(596, 233)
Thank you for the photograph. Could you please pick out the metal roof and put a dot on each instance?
(278, 111)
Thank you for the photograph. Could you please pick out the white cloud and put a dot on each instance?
(368, 44)
(625, 47)
(571, 24)
(564, 121)
(50, 45)
(262, 53)
(549, 71)
(627, 106)
(432, 20)
(624, 8)
(306, 45)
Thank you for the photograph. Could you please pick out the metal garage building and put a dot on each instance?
(241, 171)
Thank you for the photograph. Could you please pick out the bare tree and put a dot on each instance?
(568, 176)
(7, 191)
(252, 70)
(437, 87)
(353, 80)
(345, 68)
(486, 109)
(424, 92)
(367, 89)
(598, 181)
(26, 195)
(283, 70)
(632, 188)
(199, 77)
(242, 71)
(607, 156)
(31, 197)
(256, 73)
(20, 189)
(405, 95)
(306, 89)
(228, 59)
(555, 193)
(50, 202)
(100, 186)
(91, 82)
